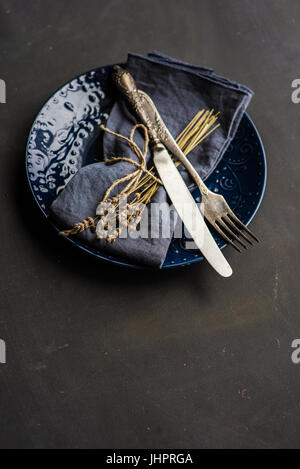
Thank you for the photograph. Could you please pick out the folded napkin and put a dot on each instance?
(179, 90)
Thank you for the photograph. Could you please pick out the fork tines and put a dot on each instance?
(230, 228)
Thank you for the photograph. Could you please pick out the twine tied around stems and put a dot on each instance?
(132, 178)
(142, 183)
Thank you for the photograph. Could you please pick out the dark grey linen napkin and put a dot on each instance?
(179, 90)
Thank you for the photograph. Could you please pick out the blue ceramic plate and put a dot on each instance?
(65, 137)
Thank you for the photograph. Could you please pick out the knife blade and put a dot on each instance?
(188, 211)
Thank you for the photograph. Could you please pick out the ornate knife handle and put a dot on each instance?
(124, 80)
(126, 84)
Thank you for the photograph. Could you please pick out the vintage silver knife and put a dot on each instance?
(175, 186)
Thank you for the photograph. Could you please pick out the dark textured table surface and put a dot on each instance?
(103, 357)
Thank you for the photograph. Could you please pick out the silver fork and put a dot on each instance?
(214, 207)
